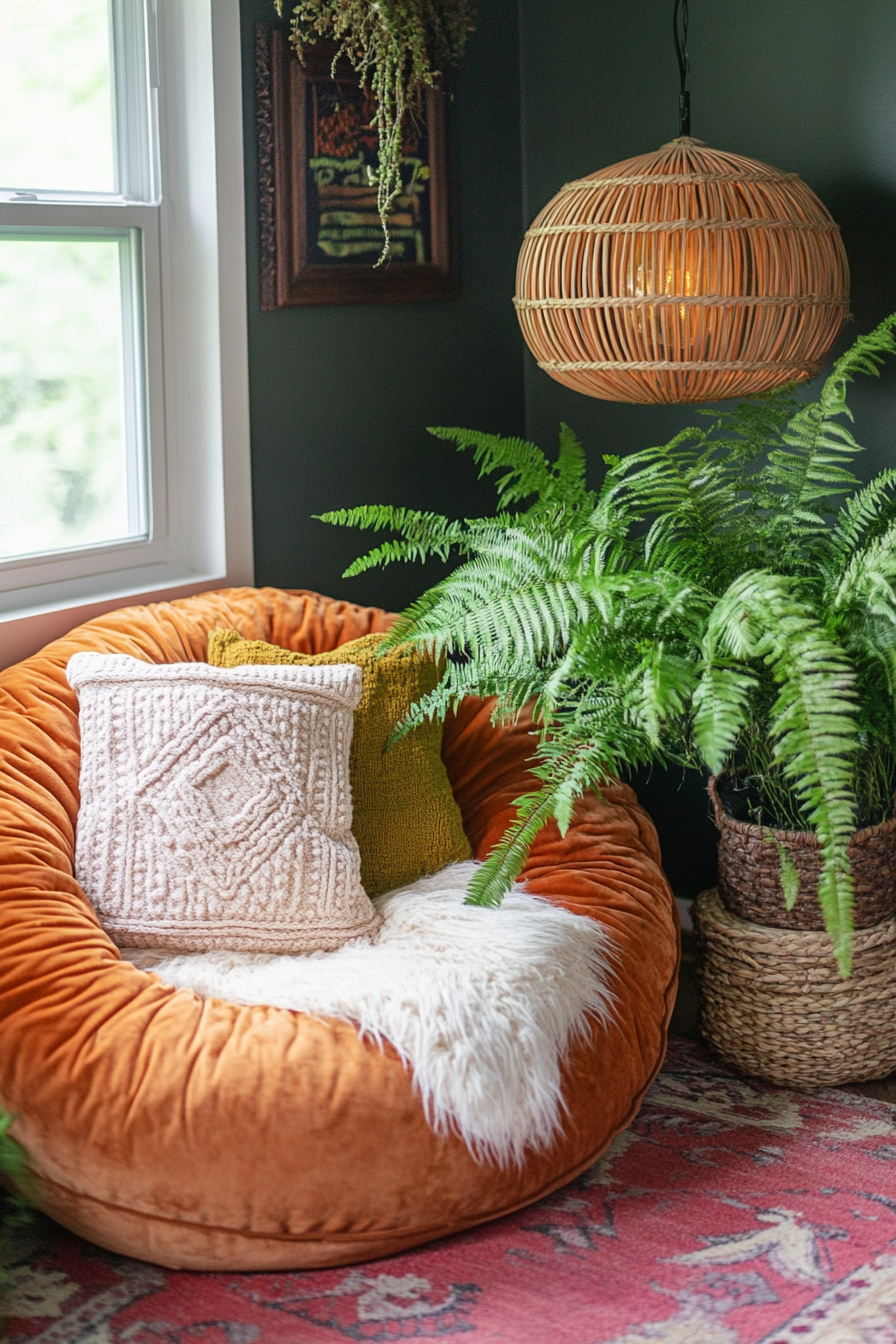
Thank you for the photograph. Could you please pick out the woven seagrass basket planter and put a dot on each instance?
(749, 871)
(774, 1006)
(685, 275)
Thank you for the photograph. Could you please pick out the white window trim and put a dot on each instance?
(205, 394)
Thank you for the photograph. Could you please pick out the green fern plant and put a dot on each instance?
(726, 600)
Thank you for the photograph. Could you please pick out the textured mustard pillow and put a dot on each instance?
(406, 821)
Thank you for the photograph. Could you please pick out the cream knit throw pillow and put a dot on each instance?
(215, 805)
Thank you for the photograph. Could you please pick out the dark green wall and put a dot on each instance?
(808, 85)
(341, 396)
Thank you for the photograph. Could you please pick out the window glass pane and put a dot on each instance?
(56, 129)
(70, 466)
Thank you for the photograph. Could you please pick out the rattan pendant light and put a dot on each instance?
(685, 275)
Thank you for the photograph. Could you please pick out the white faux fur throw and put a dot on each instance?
(481, 1005)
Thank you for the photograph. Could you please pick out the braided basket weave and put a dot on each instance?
(773, 1004)
(750, 881)
(685, 275)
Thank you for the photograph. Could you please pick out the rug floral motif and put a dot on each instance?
(728, 1213)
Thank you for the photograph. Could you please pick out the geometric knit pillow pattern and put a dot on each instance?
(406, 821)
(216, 807)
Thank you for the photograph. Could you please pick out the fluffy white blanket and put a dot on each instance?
(481, 1005)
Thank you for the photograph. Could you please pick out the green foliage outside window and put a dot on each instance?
(726, 600)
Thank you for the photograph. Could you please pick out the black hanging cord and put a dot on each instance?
(680, 21)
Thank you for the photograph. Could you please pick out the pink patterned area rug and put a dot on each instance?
(729, 1213)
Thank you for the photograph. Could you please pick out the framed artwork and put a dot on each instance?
(320, 232)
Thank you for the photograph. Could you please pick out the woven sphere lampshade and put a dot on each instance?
(685, 275)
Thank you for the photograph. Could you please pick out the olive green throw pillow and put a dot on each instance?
(406, 821)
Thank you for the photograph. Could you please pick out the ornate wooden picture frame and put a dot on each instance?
(320, 233)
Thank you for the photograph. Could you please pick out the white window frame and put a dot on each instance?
(194, 258)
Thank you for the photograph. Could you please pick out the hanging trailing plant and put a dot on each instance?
(399, 49)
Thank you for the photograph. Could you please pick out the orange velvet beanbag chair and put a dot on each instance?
(202, 1135)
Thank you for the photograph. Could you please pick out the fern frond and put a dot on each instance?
(749, 428)
(787, 871)
(511, 688)
(582, 752)
(424, 534)
(494, 878)
(527, 471)
(808, 469)
(865, 356)
(656, 480)
(378, 517)
(665, 685)
(693, 495)
(520, 595)
(721, 706)
(569, 472)
(812, 724)
(566, 777)
(662, 598)
(392, 551)
(867, 584)
(525, 622)
(866, 513)
(872, 641)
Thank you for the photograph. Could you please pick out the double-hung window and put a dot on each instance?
(123, 404)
